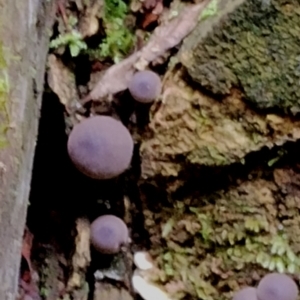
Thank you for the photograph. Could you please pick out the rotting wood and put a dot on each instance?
(24, 34)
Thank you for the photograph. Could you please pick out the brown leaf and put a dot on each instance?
(28, 287)
(149, 19)
(26, 247)
(154, 8)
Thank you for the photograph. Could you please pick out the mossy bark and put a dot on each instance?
(24, 34)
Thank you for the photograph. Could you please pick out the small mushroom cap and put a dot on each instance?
(247, 293)
(276, 286)
(100, 147)
(145, 86)
(108, 234)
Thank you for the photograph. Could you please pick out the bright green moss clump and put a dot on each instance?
(257, 49)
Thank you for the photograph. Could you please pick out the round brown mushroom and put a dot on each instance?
(108, 234)
(145, 86)
(276, 286)
(247, 293)
(100, 147)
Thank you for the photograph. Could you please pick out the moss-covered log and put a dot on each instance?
(218, 212)
(229, 62)
(208, 245)
(253, 49)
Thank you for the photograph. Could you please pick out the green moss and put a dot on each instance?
(4, 92)
(72, 39)
(255, 48)
(217, 243)
(3, 63)
(119, 39)
(69, 37)
(117, 43)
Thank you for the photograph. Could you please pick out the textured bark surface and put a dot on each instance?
(24, 34)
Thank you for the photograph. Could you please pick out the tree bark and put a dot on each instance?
(24, 36)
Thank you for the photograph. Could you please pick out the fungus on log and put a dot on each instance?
(108, 234)
(247, 293)
(100, 147)
(145, 86)
(276, 286)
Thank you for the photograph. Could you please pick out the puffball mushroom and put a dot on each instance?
(100, 147)
(145, 86)
(276, 286)
(247, 293)
(108, 234)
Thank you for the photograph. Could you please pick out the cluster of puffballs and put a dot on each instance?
(273, 286)
(101, 147)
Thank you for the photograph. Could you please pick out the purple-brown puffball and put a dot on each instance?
(145, 86)
(108, 234)
(276, 286)
(100, 147)
(247, 293)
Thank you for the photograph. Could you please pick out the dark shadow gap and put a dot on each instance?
(60, 194)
